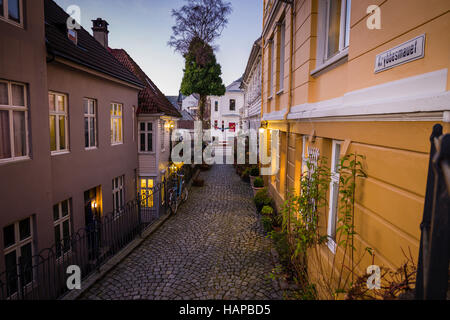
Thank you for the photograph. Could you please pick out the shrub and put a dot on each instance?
(267, 224)
(246, 175)
(262, 199)
(282, 245)
(267, 211)
(254, 172)
(258, 183)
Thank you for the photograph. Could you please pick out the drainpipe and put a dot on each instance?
(291, 67)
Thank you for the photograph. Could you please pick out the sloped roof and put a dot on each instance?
(87, 52)
(235, 86)
(151, 99)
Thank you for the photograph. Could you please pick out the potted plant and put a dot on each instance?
(262, 199)
(254, 173)
(267, 211)
(258, 184)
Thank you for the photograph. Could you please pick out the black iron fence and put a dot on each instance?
(44, 275)
(433, 264)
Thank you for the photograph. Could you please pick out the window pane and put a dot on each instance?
(9, 236)
(142, 148)
(61, 103)
(58, 240)
(51, 102)
(1, 8)
(86, 106)
(24, 229)
(91, 107)
(150, 126)
(52, 133)
(142, 125)
(18, 98)
(20, 144)
(11, 271)
(120, 130)
(4, 93)
(14, 10)
(86, 132)
(26, 260)
(334, 27)
(92, 132)
(150, 142)
(62, 133)
(66, 236)
(56, 212)
(5, 142)
(65, 208)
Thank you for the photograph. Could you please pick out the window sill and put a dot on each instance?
(16, 24)
(59, 153)
(270, 98)
(91, 149)
(145, 153)
(14, 160)
(116, 144)
(330, 63)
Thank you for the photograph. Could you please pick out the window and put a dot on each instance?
(62, 227)
(11, 11)
(163, 136)
(147, 192)
(90, 123)
(13, 121)
(145, 136)
(118, 195)
(116, 123)
(59, 139)
(18, 244)
(216, 106)
(334, 196)
(338, 26)
(272, 66)
(232, 105)
(281, 55)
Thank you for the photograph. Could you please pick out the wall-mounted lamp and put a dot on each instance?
(94, 204)
(264, 125)
(169, 125)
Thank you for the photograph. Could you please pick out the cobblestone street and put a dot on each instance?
(214, 248)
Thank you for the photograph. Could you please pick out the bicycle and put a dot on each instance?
(178, 194)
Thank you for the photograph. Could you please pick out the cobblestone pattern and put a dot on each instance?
(214, 248)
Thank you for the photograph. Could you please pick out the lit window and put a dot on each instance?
(334, 195)
(116, 123)
(90, 123)
(146, 188)
(62, 227)
(11, 11)
(18, 252)
(118, 195)
(59, 140)
(13, 122)
(145, 137)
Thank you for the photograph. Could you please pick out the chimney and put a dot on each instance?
(100, 29)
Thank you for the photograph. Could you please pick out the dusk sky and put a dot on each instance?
(143, 27)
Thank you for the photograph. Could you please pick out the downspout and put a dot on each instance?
(288, 110)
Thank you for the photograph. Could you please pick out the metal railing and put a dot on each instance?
(44, 276)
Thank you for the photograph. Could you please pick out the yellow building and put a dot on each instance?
(346, 77)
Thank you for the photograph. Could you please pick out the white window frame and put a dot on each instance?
(11, 109)
(234, 105)
(146, 132)
(117, 112)
(5, 16)
(16, 247)
(118, 192)
(323, 60)
(59, 223)
(163, 135)
(91, 116)
(282, 57)
(334, 189)
(272, 67)
(57, 115)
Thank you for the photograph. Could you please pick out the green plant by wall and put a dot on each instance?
(267, 223)
(262, 199)
(254, 172)
(246, 175)
(258, 183)
(267, 211)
